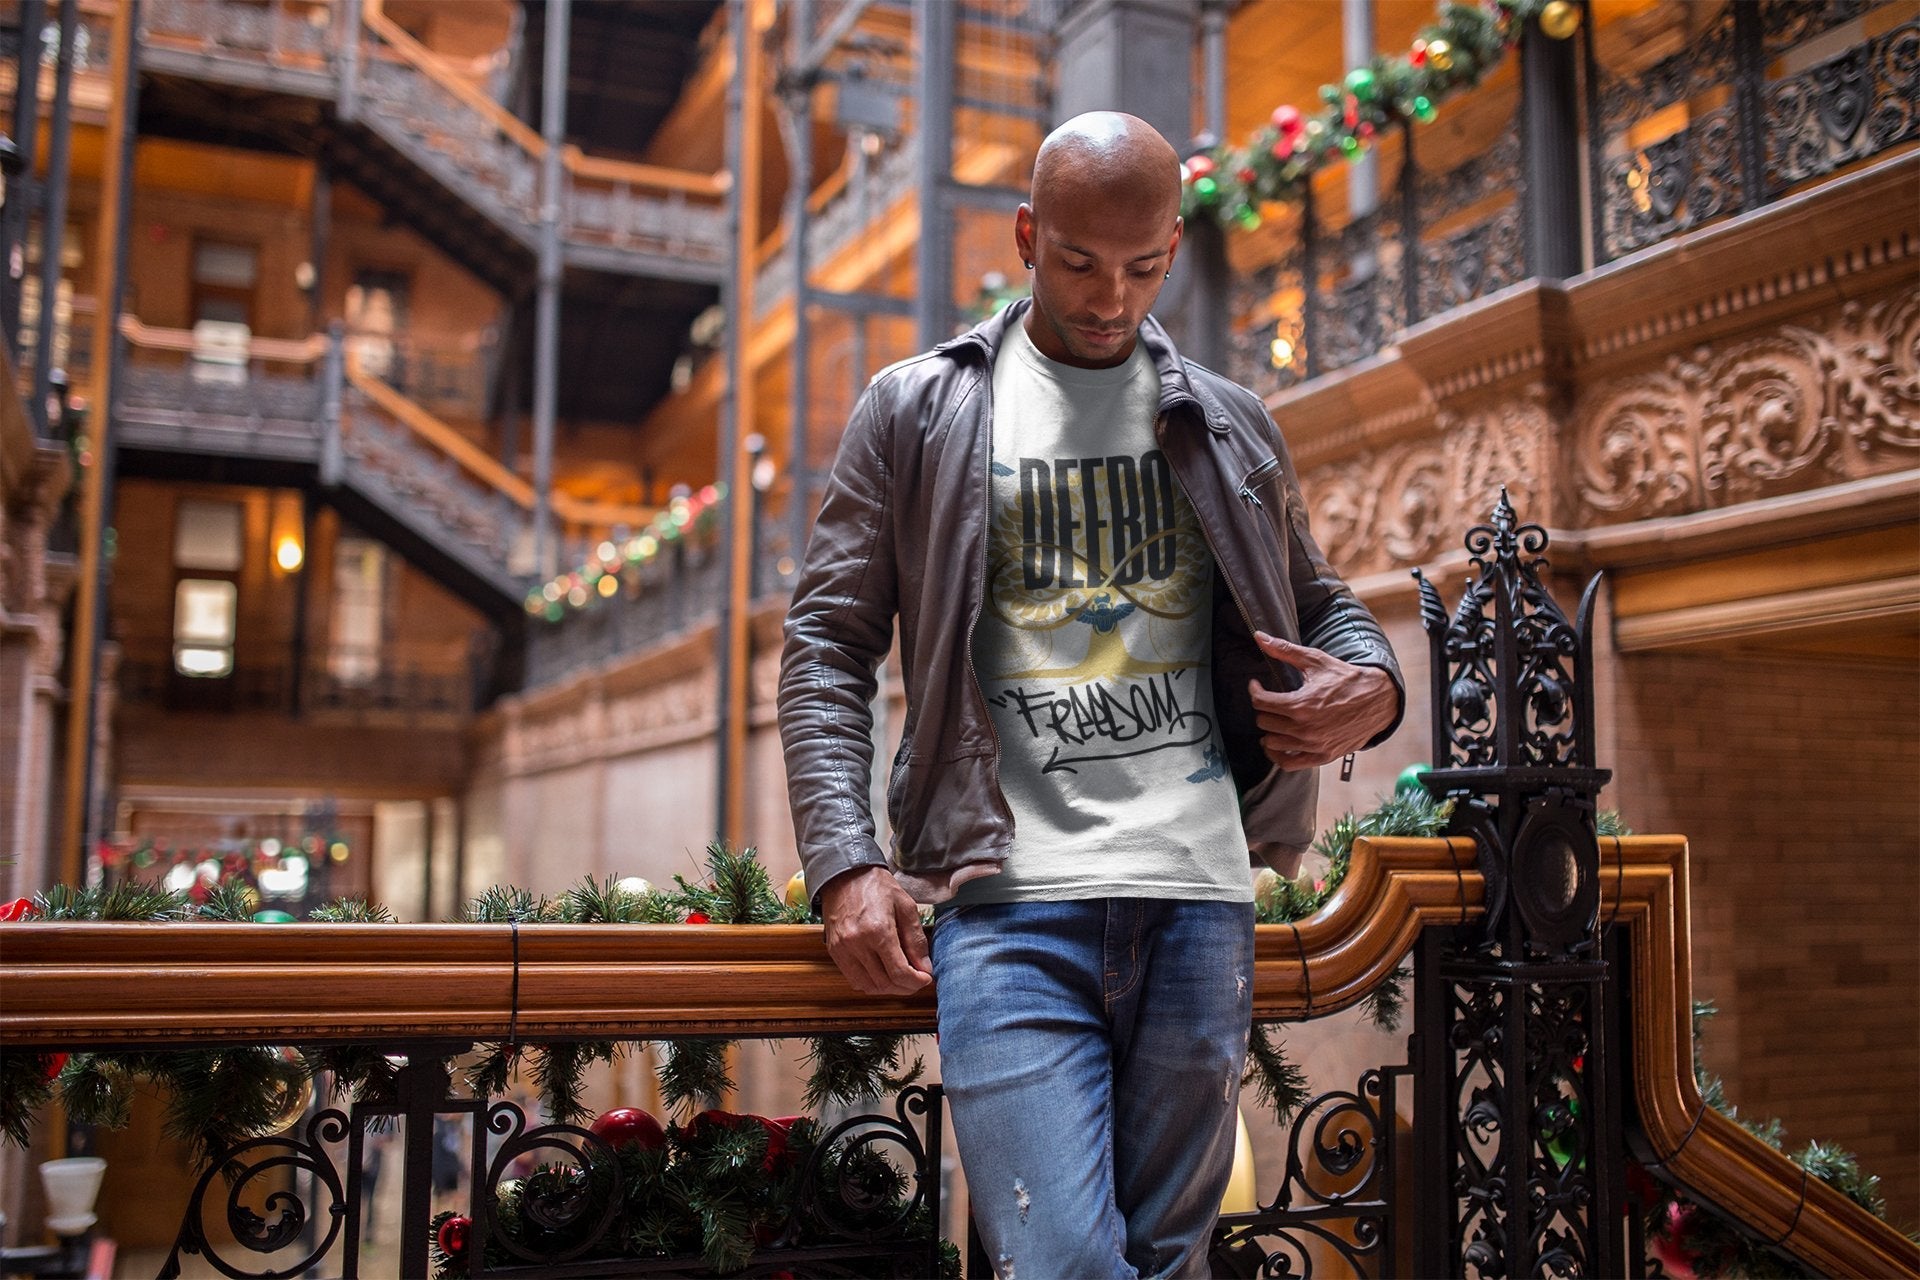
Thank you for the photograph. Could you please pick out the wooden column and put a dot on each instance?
(109, 285)
(750, 20)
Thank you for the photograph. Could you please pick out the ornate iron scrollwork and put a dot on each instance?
(1336, 1200)
(1514, 1009)
(283, 1217)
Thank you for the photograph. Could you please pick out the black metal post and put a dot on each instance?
(296, 690)
(320, 225)
(933, 75)
(1550, 138)
(53, 216)
(1409, 226)
(99, 415)
(1749, 86)
(799, 96)
(1529, 1168)
(20, 196)
(546, 338)
(1596, 135)
(1309, 279)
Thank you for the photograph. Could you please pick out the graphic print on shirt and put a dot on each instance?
(1098, 569)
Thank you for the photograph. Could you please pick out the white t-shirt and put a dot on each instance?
(1094, 644)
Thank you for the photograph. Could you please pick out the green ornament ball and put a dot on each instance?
(1350, 145)
(1361, 84)
(271, 916)
(1423, 109)
(1408, 783)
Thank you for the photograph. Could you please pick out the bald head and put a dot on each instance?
(1107, 156)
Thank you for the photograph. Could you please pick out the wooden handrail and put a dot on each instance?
(280, 350)
(73, 986)
(431, 65)
(484, 466)
(476, 460)
(1703, 1149)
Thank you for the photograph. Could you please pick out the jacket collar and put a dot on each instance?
(1176, 388)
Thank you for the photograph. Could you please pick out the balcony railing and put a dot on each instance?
(389, 83)
(1802, 92)
(318, 690)
(106, 986)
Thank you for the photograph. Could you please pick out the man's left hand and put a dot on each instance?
(1338, 708)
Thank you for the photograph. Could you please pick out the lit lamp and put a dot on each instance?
(288, 554)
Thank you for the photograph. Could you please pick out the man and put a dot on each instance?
(1124, 659)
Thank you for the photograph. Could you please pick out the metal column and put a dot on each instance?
(1550, 135)
(799, 96)
(933, 87)
(546, 337)
(26, 140)
(53, 215)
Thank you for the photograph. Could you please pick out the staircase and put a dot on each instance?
(299, 414)
(390, 116)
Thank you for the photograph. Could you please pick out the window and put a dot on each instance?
(203, 615)
(206, 535)
(376, 316)
(359, 597)
(224, 276)
(207, 539)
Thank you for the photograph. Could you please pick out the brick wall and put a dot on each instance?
(1794, 779)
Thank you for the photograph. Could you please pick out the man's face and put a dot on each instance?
(1098, 265)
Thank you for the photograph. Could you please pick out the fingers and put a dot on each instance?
(872, 925)
(1294, 655)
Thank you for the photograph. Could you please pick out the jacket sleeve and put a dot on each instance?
(1332, 619)
(838, 630)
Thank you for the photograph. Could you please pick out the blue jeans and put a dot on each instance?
(1091, 1052)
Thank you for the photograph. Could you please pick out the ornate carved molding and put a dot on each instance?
(1833, 399)
(1400, 505)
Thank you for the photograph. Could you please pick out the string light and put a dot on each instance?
(599, 578)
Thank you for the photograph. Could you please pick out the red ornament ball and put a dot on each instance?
(18, 909)
(698, 917)
(1246, 174)
(1287, 120)
(52, 1064)
(452, 1236)
(1201, 166)
(630, 1127)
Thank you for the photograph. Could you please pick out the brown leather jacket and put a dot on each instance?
(903, 531)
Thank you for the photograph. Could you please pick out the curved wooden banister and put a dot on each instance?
(431, 65)
(278, 350)
(1703, 1149)
(78, 985)
(483, 465)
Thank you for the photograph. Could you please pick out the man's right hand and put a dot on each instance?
(874, 933)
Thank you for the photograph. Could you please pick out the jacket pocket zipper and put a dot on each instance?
(1255, 478)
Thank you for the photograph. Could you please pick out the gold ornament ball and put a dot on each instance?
(797, 889)
(1265, 884)
(1440, 55)
(293, 1091)
(1560, 19)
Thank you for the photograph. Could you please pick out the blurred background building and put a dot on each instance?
(416, 408)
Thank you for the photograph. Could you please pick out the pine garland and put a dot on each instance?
(1717, 1247)
(1455, 52)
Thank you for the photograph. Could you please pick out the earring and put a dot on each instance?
(1167, 276)
(1028, 265)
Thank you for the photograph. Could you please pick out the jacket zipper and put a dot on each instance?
(1239, 602)
(1255, 478)
(979, 600)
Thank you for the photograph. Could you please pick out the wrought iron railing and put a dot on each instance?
(390, 84)
(1759, 101)
(319, 689)
(422, 991)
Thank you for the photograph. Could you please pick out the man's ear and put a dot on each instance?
(1023, 237)
(1173, 246)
